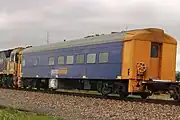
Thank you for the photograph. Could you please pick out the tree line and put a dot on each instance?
(178, 76)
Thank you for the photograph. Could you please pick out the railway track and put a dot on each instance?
(96, 95)
(81, 106)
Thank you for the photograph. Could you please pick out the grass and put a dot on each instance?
(13, 114)
(161, 97)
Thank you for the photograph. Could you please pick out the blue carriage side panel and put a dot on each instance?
(112, 68)
(109, 70)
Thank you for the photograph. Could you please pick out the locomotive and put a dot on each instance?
(139, 61)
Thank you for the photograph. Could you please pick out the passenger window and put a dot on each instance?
(103, 57)
(36, 61)
(69, 60)
(154, 51)
(1, 61)
(91, 58)
(12, 58)
(61, 60)
(51, 60)
(23, 63)
(80, 59)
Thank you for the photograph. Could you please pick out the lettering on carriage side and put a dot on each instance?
(54, 72)
(60, 71)
(63, 71)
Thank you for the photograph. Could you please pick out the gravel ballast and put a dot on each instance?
(82, 108)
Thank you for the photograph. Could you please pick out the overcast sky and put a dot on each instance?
(25, 22)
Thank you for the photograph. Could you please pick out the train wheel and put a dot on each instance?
(123, 90)
(174, 92)
(9, 82)
(30, 84)
(4, 82)
(123, 94)
(52, 90)
(105, 89)
(38, 84)
(144, 95)
(99, 86)
(45, 84)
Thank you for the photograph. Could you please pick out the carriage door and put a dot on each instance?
(155, 61)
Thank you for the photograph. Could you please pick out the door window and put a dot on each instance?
(154, 50)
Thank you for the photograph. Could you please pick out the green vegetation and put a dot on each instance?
(13, 114)
(177, 75)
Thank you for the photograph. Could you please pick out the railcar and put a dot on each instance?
(140, 61)
(10, 67)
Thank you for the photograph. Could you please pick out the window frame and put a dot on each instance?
(53, 60)
(72, 60)
(154, 52)
(23, 62)
(36, 60)
(61, 59)
(78, 61)
(1, 61)
(88, 62)
(100, 57)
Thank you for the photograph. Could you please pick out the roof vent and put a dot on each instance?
(89, 36)
(122, 31)
(92, 35)
(28, 46)
(113, 32)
